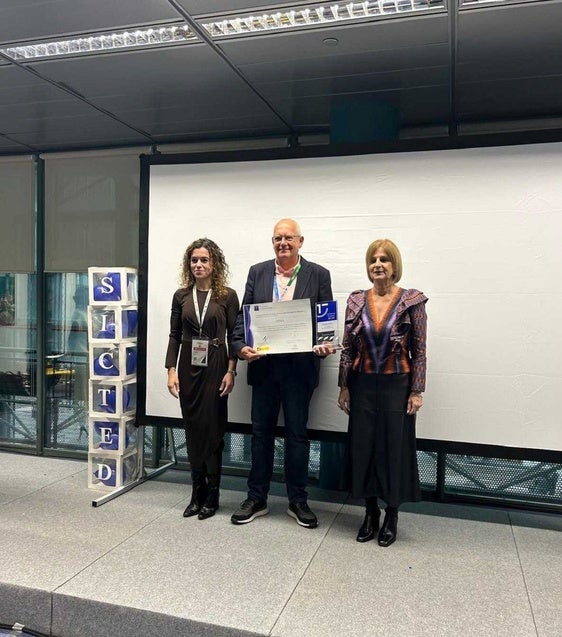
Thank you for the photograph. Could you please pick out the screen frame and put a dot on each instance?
(307, 152)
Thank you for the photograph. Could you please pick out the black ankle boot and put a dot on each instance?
(211, 504)
(371, 522)
(387, 534)
(198, 494)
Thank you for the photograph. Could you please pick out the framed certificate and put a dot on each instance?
(279, 328)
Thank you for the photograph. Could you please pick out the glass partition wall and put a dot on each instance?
(18, 303)
(18, 359)
(66, 369)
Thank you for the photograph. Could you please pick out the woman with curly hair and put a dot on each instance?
(203, 314)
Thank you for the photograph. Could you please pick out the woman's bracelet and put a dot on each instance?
(232, 371)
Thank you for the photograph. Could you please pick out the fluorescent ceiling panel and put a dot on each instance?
(101, 43)
(316, 15)
(305, 16)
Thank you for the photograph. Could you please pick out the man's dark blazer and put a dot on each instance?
(313, 282)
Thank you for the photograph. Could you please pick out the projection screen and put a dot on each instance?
(480, 234)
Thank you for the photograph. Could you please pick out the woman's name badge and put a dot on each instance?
(200, 352)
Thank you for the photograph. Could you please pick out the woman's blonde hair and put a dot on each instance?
(393, 254)
(219, 275)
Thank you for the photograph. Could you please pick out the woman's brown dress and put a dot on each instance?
(204, 412)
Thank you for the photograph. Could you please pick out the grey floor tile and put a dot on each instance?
(176, 565)
(53, 533)
(540, 552)
(443, 577)
(21, 475)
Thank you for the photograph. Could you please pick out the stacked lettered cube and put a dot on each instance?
(115, 442)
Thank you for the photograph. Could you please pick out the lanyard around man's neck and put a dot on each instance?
(279, 297)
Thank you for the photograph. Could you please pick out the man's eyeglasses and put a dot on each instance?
(290, 238)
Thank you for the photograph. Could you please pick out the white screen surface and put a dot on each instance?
(480, 234)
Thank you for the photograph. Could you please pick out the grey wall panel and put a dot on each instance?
(17, 219)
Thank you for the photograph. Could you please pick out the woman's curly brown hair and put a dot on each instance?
(220, 273)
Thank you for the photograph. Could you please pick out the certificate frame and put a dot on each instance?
(279, 327)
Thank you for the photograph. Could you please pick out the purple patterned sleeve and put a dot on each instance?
(418, 341)
(349, 345)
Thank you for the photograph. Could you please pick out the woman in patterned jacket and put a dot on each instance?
(382, 377)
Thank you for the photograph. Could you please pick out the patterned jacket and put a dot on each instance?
(408, 334)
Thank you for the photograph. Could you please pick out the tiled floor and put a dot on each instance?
(136, 567)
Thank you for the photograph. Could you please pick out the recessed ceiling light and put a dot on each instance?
(103, 42)
(306, 16)
(316, 15)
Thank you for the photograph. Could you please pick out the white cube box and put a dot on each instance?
(113, 435)
(113, 360)
(111, 472)
(112, 286)
(113, 397)
(112, 323)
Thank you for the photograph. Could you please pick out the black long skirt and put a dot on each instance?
(382, 439)
(204, 411)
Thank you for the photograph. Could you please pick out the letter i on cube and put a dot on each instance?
(117, 286)
(111, 323)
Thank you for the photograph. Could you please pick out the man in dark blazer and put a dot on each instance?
(281, 379)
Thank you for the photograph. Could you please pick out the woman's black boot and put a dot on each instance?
(211, 504)
(371, 522)
(213, 466)
(387, 534)
(198, 494)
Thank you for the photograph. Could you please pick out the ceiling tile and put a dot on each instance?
(380, 36)
(34, 19)
(141, 86)
(201, 7)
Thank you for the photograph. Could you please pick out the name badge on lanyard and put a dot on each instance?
(200, 352)
(200, 346)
